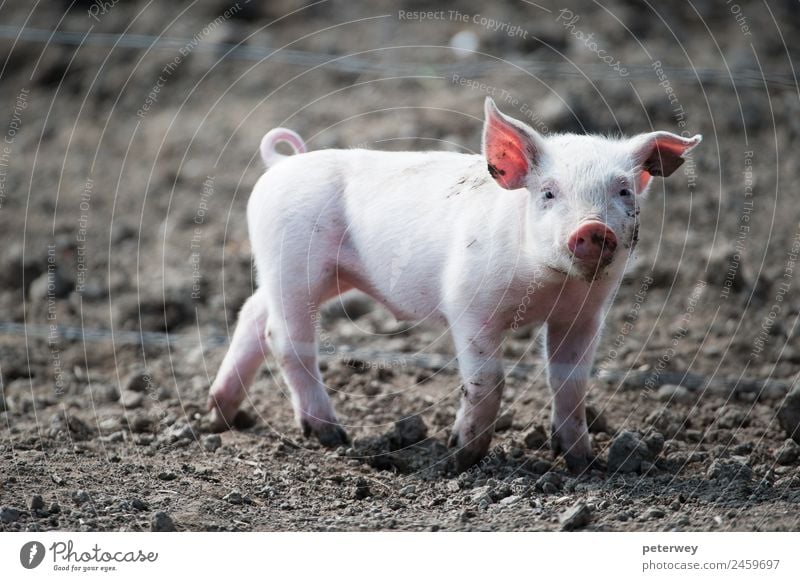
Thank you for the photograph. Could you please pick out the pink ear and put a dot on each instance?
(661, 153)
(511, 148)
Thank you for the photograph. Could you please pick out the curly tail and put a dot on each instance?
(273, 138)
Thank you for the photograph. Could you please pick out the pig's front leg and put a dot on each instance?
(570, 352)
(480, 362)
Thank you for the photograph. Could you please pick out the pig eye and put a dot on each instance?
(624, 192)
(548, 195)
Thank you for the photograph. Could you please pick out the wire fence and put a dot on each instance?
(358, 64)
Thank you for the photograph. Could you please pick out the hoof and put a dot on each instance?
(579, 464)
(578, 456)
(220, 417)
(465, 457)
(329, 435)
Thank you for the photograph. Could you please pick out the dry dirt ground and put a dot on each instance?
(125, 170)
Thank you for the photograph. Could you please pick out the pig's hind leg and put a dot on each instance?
(292, 337)
(242, 360)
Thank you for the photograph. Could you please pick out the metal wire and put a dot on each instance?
(742, 78)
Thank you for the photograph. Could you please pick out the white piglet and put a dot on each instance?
(535, 230)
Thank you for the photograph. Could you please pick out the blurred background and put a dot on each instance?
(130, 139)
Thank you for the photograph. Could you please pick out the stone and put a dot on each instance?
(36, 502)
(627, 452)
(409, 431)
(536, 438)
(674, 394)
(9, 514)
(212, 442)
(161, 522)
(788, 453)
(730, 470)
(789, 414)
(576, 517)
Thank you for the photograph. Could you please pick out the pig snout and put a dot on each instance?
(593, 243)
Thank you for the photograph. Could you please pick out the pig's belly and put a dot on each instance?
(407, 300)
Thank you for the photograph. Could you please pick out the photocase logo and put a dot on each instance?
(31, 554)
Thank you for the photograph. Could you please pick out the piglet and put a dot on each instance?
(534, 230)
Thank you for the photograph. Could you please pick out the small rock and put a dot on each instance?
(509, 500)
(362, 490)
(113, 438)
(104, 393)
(62, 423)
(167, 476)
(139, 381)
(674, 394)
(56, 284)
(504, 422)
(728, 469)
(36, 502)
(212, 442)
(131, 400)
(536, 438)
(732, 418)
(409, 490)
(576, 517)
(788, 453)
(549, 483)
(179, 431)
(409, 431)
(789, 414)
(138, 504)
(81, 496)
(140, 423)
(627, 452)
(667, 421)
(655, 443)
(234, 497)
(9, 514)
(654, 513)
(481, 493)
(540, 466)
(109, 425)
(55, 508)
(161, 523)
